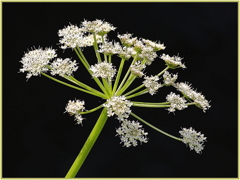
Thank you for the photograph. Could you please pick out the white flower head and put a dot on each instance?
(156, 46)
(89, 40)
(137, 68)
(63, 67)
(71, 36)
(104, 70)
(191, 94)
(173, 62)
(148, 54)
(127, 39)
(119, 106)
(151, 83)
(193, 139)
(109, 48)
(36, 61)
(98, 26)
(169, 79)
(130, 132)
(126, 52)
(176, 101)
(75, 108)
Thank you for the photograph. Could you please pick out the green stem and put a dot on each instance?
(137, 94)
(96, 48)
(159, 130)
(118, 75)
(151, 105)
(83, 60)
(92, 110)
(74, 87)
(88, 145)
(132, 91)
(163, 71)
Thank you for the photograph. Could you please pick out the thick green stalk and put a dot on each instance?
(88, 145)
(95, 46)
(151, 105)
(159, 130)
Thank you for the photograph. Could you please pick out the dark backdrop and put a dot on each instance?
(39, 140)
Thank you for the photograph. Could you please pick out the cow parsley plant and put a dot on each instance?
(114, 85)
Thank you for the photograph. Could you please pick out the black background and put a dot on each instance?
(40, 140)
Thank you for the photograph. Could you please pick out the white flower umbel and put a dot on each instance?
(71, 36)
(148, 54)
(172, 62)
(63, 67)
(119, 106)
(104, 70)
(35, 61)
(127, 40)
(151, 83)
(169, 79)
(75, 108)
(130, 132)
(198, 98)
(98, 26)
(89, 40)
(176, 101)
(193, 139)
(156, 46)
(110, 48)
(137, 68)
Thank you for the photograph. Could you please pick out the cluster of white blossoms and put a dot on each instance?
(143, 53)
(98, 26)
(75, 108)
(119, 106)
(193, 139)
(151, 83)
(192, 95)
(176, 102)
(35, 61)
(137, 68)
(169, 79)
(131, 132)
(172, 62)
(63, 67)
(103, 70)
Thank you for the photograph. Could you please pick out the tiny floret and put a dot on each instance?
(127, 39)
(110, 48)
(75, 108)
(173, 62)
(193, 139)
(169, 79)
(104, 70)
(36, 61)
(63, 67)
(151, 83)
(130, 132)
(156, 46)
(176, 102)
(119, 106)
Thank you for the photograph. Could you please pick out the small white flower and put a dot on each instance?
(104, 70)
(151, 84)
(119, 106)
(98, 26)
(75, 108)
(169, 79)
(198, 98)
(127, 40)
(63, 67)
(72, 36)
(127, 52)
(36, 61)
(176, 101)
(130, 132)
(173, 62)
(137, 68)
(89, 40)
(156, 46)
(193, 139)
(148, 54)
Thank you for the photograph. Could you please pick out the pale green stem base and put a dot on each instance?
(88, 145)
